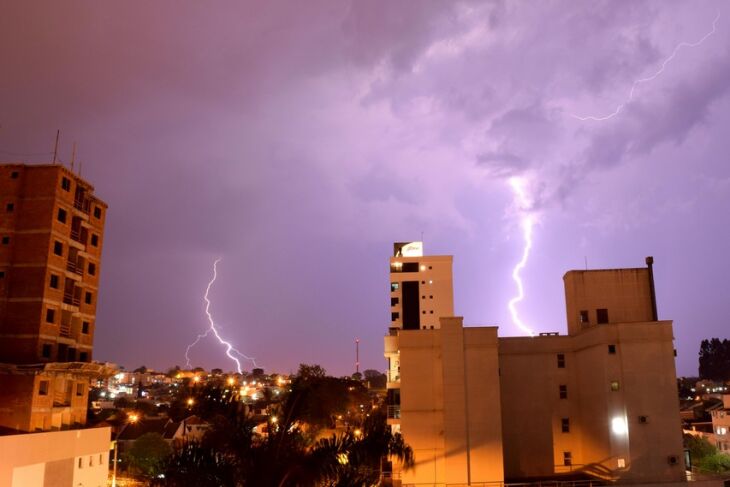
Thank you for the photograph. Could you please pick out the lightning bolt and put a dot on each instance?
(653, 76)
(230, 349)
(527, 223)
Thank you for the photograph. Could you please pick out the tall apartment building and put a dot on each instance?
(421, 291)
(600, 401)
(51, 234)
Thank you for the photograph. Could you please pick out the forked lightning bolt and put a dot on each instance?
(230, 350)
(527, 222)
(653, 76)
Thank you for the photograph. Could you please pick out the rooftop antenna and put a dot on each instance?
(55, 148)
(73, 157)
(357, 355)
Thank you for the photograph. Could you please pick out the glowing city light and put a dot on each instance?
(619, 426)
(527, 222)
(652, 77)
(230, 350)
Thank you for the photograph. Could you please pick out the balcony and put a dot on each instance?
(393, 412)
(69, 298)
(65, 330)
(83, 205)
(75, 267)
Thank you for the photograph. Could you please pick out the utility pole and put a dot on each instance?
(357, 355)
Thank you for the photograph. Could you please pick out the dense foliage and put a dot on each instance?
(715, 359)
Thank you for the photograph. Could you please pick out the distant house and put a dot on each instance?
(176, 433)
(721, 425)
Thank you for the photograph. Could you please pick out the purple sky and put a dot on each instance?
(298, 140)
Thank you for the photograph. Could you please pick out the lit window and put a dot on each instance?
(615, 386)
(394, 286)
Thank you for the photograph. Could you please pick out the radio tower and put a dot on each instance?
(357, 355)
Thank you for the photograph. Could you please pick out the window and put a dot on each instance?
(10, 207)
(85, 327)
(394, 316)
(423, 297)
(602, 316)
(61, 215)
(79, 389)
(430, 297)
(83, 357)
(563, 391)
(394, 286)
(431, 311)
(393, 301)
(81, 463)
(50, 315)
(43, 388)
(567, 458)
(643, 419)
(94, 240)
(57, 248)
(87, 298)
(6, 240)
(66, 184)
(584, 316)
(561, 361)
(2, 274)
(410, 267)
(54, 281)
(565, 425)
(46, 350)
(92, 271)
(612, 349)
(14, 175)
(423, 312)
(97, 212)
(615, 386)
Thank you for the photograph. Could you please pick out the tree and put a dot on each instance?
(148, 454)
(375, 378)
(141, 370)
(307, 371)
(715, 359)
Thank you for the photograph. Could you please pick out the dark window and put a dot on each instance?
(430, 297)
(97, 212)
(54, 281)
(10, 207)
(83, 357)
(410, 305)
(410, 267)
(6, 240)
(66, 183)
(2, 274)
(429, 268)
(612, 349)
(62, 215)
(567, 458)
(565, 425)
(85, 327)
(423, 297)
(394, 286)
(50, 315)
(393, 301)
(43, 388)
(561, 361)
(94, 240)
(87, 298)
(394, 316)
(57, 248)
(615, 386)
(584, 316)
(563, 391)
(92, 271)
(46, 350)
(601, 316)
(14, 175)
(643, 419)
(431, 311)
(79, 389)
(423, 312)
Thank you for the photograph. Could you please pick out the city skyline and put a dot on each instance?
(297, 146)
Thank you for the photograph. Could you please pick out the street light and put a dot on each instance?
(132, 418)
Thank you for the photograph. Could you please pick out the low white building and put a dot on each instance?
(721, 425)
(74, 458)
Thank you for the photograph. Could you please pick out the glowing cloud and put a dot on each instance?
(527, 222)
(230, 350)
(652, 77)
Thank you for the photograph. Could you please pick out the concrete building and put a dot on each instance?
(51, 235)
(721, 425)
(59, 458)
(600, 401)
